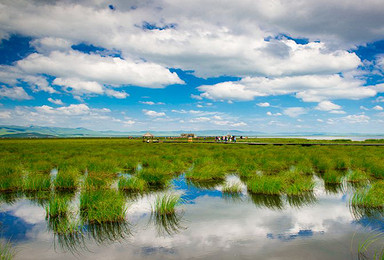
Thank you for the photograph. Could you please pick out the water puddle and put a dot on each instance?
(209, 224)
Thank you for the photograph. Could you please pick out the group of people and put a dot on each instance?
(226, 138)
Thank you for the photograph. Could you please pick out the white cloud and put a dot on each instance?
(269, 113)
(378, 108)
(200, 119)
(38, 83)
(222, 122)
(116, 94)
(48, 44)
(309, 88)
(364, 108)
(239, 124)
(327, 106)
(5, 114)
(151, 103)
(14, 93)
(56, 101)
(337, 112)
(264, 104)
(152, 113)
(73, 110)
(99, 69)
(355, 119)
(196, 97)
(294, 111)
(78, 86)
(320, 120)
(129, 122)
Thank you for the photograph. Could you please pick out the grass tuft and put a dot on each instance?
(7, 251)
(102, 206)
(166, 204)
(232, 188)
(132, 184)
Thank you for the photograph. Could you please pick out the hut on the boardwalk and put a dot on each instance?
(148, 137)
(187, 135)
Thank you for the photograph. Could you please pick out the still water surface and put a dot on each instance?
(209, 225)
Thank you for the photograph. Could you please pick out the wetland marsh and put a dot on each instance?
(120, 198)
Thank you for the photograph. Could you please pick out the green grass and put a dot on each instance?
(166, 204)
(102, 206)
(95, 181)
(232, 188)
(357, 176)
(7, 251)
(155, 178)
(57, 207)
(332, 177)
(372, 197)
(132, 184)
(37, 182)
(67, 179)
(269, 185)
(206, 172)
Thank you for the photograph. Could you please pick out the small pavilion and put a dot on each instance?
(148, 137)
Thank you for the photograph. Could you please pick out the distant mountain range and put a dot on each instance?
(10, 131)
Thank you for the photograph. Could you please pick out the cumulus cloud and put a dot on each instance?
(378, 108)
(14, 93)
(153, 113)
(151, 103)
(5, 114)
(309, 88)
(200, 119)
(73, 109)
(56, 101)
(356, 119)
(264, 104)
(269, 113)
(327, 106)
(294, 111)
(96, 68)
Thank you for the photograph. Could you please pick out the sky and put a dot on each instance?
(299, 66)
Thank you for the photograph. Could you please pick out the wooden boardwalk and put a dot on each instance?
(281, 144)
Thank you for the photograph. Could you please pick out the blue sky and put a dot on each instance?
(281, 66)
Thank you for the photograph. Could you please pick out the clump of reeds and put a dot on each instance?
(296, 183)
(40, 166)
(322, 164)
(94, 181)
(10, 177)
(132, 184)
(206, 172)
(36, 182)
(332, 177)
(67, 179)
(341, 163)
(7, 251)
(57, 207)
(270, 185)
(376, 168)
(102, 206)
(357, 176)
(304, 168)
(166, 204)
(372, 197)
(232, 188)
(154, 177)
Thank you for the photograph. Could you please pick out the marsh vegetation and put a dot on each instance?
(95, 179)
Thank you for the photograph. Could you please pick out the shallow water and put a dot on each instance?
(209, 225)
